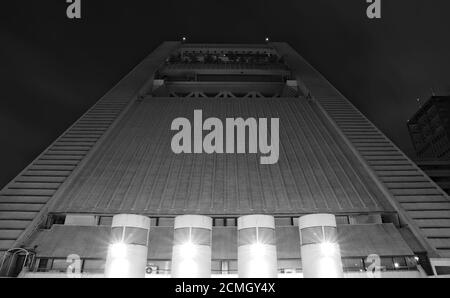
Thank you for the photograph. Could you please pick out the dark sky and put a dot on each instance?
(53, 69)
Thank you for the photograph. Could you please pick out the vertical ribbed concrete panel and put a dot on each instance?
(127, 253)
(320, 252)
(191, 254)
(257, 253)
(419, 201)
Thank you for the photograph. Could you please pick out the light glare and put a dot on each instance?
(257, 250)
(188, 250)
(118, 250)
(327, 248)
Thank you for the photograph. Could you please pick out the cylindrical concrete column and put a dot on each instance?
(257, 252)
(191, 254)
(127, 252)
(320, 252)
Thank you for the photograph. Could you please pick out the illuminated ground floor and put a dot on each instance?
(320, 245)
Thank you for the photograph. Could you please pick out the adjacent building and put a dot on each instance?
(430, 129)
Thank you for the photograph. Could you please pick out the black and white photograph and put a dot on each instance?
(224, 147)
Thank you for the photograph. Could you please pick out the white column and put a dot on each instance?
(127, 252)
(257, 252)
(321, 256)
(191, 254)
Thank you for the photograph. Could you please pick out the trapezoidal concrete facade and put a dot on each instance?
(117, 159)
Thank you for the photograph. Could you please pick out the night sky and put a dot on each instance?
(53, 68)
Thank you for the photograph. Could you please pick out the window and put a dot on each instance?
(197, 236)
(219, 222)
(60, 265)
(231, 222)
(166, 222)
(105, 221)
(216, 267)
(283, 221)
(311, 235)
(342, 220)
(136, 236)
(252, 235)
(44, 265)
(289, 265)
(353, 264)
(55, 219)
(224, 222)
(442, 270)
(117, 234)
(365, 219)
(94, 266)
(387, 264)
(400, 263)
(153, 221)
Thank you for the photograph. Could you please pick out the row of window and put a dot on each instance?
(232, 221)
(230, 266)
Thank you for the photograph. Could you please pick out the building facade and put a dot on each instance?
(429, 129)
(118, 159)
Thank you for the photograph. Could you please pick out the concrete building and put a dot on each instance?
(111, 184)
(438, 170)
(430, 129)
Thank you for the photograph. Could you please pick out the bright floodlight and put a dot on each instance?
(267, 39)
(119, 268)
(327, 249)
(257, 250)
(118, 250)
(327, 268)
(184, 38)
(188, 250)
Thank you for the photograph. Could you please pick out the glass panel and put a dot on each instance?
(231, 222)
(353, 264)
(197, 236)
(117, 234)
(135, 236)
(60, 265)
(105, 221)
(331, 234)
(411, 263)
(180, 236)
(153, 221)
(216, 267)
(44, 265)
(201, 236)
(283, 221)
(94, 266)
(166, 222)
(289, 265)
(442, 270)
(400, 263)
(266, 236)
(342, 220)
(311, 235)
(387, 263)
(232, 267)
(219, 222)
(247, 236)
